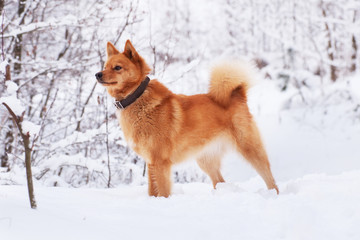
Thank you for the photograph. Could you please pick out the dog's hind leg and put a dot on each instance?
(211, 164)
(159, 179)
(249, 144)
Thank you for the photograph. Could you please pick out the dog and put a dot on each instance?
(166, 128)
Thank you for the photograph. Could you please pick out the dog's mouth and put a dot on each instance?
(106, 83)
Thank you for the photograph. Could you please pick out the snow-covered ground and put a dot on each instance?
(317, 206)
(315, 159)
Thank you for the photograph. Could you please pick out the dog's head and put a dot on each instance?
(123, 72)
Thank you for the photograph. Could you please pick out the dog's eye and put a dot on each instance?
(117, 68)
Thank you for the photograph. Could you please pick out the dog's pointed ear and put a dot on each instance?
(111, 50)
(129, 51)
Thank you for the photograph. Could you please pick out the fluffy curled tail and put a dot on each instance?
(228, 77)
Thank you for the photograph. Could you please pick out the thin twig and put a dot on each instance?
(107, 140)
(26, 141)
(2, 35)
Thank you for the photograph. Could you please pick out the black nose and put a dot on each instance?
(99, 75)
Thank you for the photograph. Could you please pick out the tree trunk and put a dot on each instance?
(9, 137)
(353, 56)
(26, 139)
(330, 50)
(18, 40)
(354, 47)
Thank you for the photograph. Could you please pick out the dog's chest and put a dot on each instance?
(138, 130)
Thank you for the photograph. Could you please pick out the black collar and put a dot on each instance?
(122, 104)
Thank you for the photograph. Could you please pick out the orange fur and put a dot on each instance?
(166, 128)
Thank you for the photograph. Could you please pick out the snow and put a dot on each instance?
(14, 103)
(52, 23)
(3, 65)
(11, 87)
(10, 97)
(31, 128)
(317, 206)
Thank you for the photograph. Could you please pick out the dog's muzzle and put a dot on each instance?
(99, 76)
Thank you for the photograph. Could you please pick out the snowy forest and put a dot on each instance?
(308, 51)
(56, 120)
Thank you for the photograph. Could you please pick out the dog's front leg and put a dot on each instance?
(159, 174)
(152, 190)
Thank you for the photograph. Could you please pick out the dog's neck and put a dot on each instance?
(122, 104)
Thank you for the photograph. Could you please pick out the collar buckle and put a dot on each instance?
(118, 105)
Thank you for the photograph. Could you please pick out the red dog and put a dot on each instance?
(166, 128)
